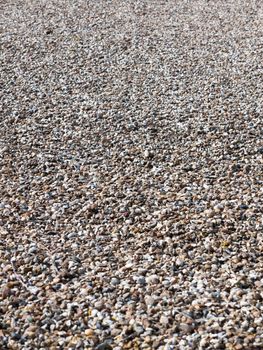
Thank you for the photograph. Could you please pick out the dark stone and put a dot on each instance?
(104, 346)
(16, 336)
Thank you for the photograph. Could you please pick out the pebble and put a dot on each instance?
(89, 332)
(149, 300)
(186, 328)
(141, 280)
(104, 346)
(138, 329)
(99, 305)
(153, 279)
(6, 292)
(32, 250)
(115, 281)
(164, 320)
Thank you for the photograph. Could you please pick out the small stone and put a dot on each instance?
(138, 328)
(115, 281)
(146, 154)
(89, 332)
(141, 280)
(152, 279)
(72, 235)
(6, 292)
(186, 328)
(179, 262)
(243, 206)
(164, 320)
(99, 305)
(149, 301)
(104, 346)
(16, 336)
(32, 250)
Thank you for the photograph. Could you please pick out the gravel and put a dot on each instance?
(131, 175)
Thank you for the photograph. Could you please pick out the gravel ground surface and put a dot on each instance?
(131, 153)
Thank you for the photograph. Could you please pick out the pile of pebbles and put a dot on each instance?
(131, 194)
